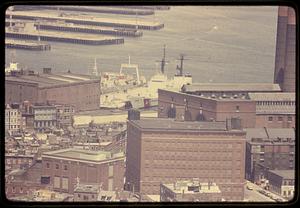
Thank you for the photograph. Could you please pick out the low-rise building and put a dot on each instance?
(63, 167)
(282, 182)
(13, 117)
(44, 116)
(190, 191)
(269, 149)
(86, 192)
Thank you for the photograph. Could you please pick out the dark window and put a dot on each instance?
(270, 118)
(85, 197)
(45, 180)
(47, 165)
(237, 108)
(280, 118)
(65, 167)
(290, 118)
(78, 195)
(284, 193)
(56, 166)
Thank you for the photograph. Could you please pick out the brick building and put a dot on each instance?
(81, 91)
(189, 191)
(282, 182)
(269, 149)
(64, 167)
(195, 107)
(44, 116)
(164, 151)
(274, 110)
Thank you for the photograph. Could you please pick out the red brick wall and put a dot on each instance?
(263, 121)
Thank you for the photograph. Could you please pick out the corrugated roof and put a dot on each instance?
(272, 96)
(251, 87)
(275, 109)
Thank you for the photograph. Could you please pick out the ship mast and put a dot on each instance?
(180, 69)
(163, 61)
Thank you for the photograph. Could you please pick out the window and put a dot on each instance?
(65, 183)
(21, 190)
(65, 167)
(13, 189)
(284, 193)
(270, 119)
(237, 108)
(85, 197)
(78, 195)
(56, 166)
(56, 182)
(47, 165)
(280, 119)
(290, 119)
(289, 192)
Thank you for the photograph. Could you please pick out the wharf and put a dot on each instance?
(89, 29)
(95, 9)
(64, 37)
(9, 43)
(87, 20)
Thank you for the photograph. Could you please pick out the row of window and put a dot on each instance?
(288, 193)
(275, 102)
(280, 118)
(57, 166)
(12, 113)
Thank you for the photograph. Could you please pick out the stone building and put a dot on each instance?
(13, 117)
(163, 150)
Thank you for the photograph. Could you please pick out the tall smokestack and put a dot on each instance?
(285, 59)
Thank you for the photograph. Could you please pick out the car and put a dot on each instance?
(249, 187)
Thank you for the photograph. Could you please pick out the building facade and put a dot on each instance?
(44, 116)
(274, 110)
(65, 115)
(81, 91)
(164, 151)
(13, 118)
(195, 107)
(269, 149)
(282, 182)
(65, 167)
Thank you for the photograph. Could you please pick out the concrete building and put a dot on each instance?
(189, 191)
(285, 59)
(165, 150)
(194, 107)
(64, 167)
(274, 110)
(282, 182)
(44, 116)
(81, 91)
(13, 117)
(269, 149)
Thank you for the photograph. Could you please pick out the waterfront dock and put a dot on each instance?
(95, 9)
(35, 46)
(86, 39)
(87, 20)
(89, 29)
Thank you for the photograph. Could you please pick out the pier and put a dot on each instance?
(88, 20)
(89, 29)
(35, 46)
(95, 9)
(63, 37)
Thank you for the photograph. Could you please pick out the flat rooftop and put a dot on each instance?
(52, 79)
(77, 154)
(286, 174)
(171, 124)
(181, 186)
(233, 87)
(87, 188)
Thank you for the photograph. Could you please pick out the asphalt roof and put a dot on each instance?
(171, 124)
(251, 87)
(286, 174)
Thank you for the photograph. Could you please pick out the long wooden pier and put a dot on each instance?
(25, 45)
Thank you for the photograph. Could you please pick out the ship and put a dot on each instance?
(143, 95)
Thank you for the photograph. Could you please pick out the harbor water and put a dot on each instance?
(222, 44)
